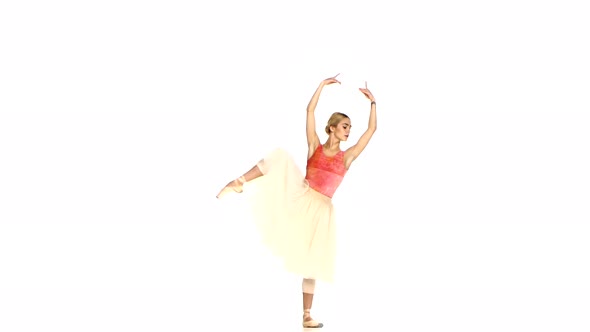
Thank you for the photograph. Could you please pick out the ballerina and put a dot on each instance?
(294, 212)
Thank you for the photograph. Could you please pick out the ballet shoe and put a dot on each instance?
(310, 324)
(236, 186)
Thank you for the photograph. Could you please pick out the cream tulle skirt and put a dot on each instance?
(296, 222)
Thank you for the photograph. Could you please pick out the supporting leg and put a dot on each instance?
(308, 287)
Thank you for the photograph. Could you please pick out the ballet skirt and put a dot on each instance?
(294, 212)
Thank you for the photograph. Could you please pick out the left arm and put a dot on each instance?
(354, 151)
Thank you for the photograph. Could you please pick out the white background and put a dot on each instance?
(121, 120)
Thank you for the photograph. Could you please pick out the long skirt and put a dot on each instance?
(296, 222)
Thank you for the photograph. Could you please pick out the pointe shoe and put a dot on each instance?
(233, 186)
(310, 323)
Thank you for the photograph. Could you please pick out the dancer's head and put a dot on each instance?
(339, 126)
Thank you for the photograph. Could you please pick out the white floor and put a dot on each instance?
(273, 310)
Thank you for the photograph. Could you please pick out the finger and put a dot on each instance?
(366, 85)
(336, 75)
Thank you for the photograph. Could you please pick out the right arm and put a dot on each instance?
(312, 136)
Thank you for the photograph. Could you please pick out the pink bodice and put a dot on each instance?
(324, 174)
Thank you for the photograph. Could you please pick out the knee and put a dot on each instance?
(308, 286)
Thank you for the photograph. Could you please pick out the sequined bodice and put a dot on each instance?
(324, 174)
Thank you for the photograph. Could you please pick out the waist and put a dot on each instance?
(319, 195)
(326, 185)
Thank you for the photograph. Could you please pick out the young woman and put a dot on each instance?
(295, 212)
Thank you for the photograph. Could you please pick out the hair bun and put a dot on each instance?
(334, 120)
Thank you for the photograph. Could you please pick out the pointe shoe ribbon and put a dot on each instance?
(236, 185)
(310, 323)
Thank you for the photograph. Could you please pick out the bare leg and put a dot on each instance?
(236, 185)
(253, 173)
(307, 301)
(308, 286)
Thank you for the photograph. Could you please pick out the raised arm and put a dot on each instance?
(354, 151)
(312, 136)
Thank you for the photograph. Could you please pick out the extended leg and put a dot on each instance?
(236, 185)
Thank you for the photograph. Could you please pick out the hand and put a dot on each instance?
(331, 80)
(367, 93)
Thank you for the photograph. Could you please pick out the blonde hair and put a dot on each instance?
(334, 120)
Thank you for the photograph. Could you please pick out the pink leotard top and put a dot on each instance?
(324, 174)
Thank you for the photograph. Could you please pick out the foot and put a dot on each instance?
(308, 322)
(232, 186)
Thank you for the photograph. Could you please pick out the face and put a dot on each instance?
(342, 130)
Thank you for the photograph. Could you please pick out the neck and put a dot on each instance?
(332, 143)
